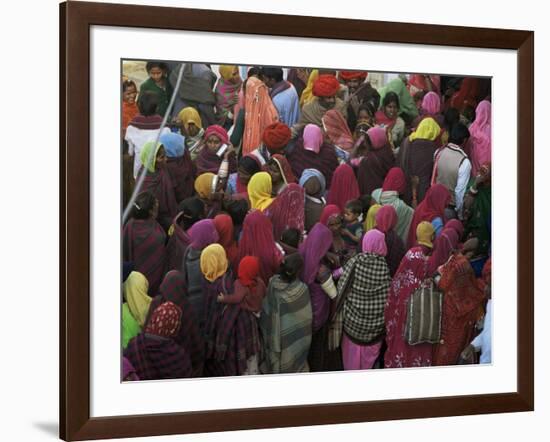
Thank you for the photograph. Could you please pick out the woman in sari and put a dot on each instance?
(143, 240)
(430, 108)
(179, 165)
(463, 303)
(394, 185)
(158, 182)
(259, 191)
(432, 209)
(238, 182)
(338, 253)
(416, 158)
(259, 113)
(173, 290)
(191, 210)
(386, 221)
(287, 210)
(314, 185)
(286, 320)
(311, 152)
(412, 271)
(257, 240)
(202, 234)
(480, 137)
(136, 306)
(232, 334)
(424, 83)
(227, 94)
(377, 161)
(211, 199)
(388, 118)
(406, 106)
(358, 325)
(155, 353)
(370, 219)
(191, 129)
(281, 173)
(344, 186)
(226, 232)
(337, 130)
(210, 159)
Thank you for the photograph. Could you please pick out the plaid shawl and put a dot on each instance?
(286, 324)
(160, 184)
(143, 244)
(155, 357)
(182, 173)
(177, 245)
(362, 292)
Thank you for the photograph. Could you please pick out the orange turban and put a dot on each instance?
(326, 86)
(353, 75)
(276, 136)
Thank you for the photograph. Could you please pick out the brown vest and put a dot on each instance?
(449, 160)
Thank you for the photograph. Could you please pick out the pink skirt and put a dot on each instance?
(359, 357)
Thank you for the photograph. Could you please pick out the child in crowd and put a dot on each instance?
(290, 240)
(249, 288)
(159, 84)
(352, 230)
(129, 103)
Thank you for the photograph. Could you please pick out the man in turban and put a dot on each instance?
(361, 95)
(325, 91)
(274, 140)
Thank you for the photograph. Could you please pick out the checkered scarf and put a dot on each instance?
(362, 293)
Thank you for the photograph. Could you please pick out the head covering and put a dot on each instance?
(190, 115)
(370, 221)
(407, 105)
(284, 168)
(424, 234)
(337, 129)
(313, 249)
(249, 270)
(307, 94)
(276, 136)
(313, 138)
(480, 136)
(456, 225)
(344, 186)
(226, 71)
(213, 262)
(378, 137)
(444, 245)
(326, 86)
(428, 129)
(224, 226)
(165, 320)
(353, 75)
(329, 211)
(148, 155)
(395, 181)
(218, 131)
(386, 218)
(203, 233)
(431, 103)
(310, 173)
(287, 210)
(374, 241)
(173, 143)
(432, 206)
(203, 184)
(135, 293)
(259, 191)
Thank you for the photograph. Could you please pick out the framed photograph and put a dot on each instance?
(110, 51)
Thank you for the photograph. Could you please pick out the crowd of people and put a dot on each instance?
(281, 223)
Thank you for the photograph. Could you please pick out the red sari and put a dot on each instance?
(462, 308)
(409, 276)
(287, 210)
(224, 226)
(344, 186)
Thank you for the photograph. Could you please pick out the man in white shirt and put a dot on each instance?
(452, 168)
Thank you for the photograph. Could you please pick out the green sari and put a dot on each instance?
(130, 327)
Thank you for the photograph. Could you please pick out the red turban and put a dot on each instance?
(326, 86)
(353, 75)
(218, 131)
(276, 136)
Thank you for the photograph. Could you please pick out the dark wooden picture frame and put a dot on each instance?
(75, 21)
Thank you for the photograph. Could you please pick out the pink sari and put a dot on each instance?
(480, 137)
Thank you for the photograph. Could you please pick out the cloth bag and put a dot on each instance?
(423, 324)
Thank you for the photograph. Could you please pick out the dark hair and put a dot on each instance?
(459, 134)
(143, 205)
(452, 116)
(390, 97)
(156, 64)
(249, 164)
(366, 202)
(291, 237)
(275, 73)
(369, 106)
(193, 211)
(290, 267)
(469, 113)
(236, 209)
(254, 71)
(148, 103)
(127, 83)
(355, 206)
